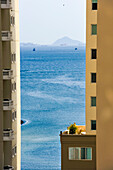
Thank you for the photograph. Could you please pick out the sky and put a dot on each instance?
(45, 21)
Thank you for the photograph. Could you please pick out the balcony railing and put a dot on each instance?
(7, 74)
(8, 134)
(8, 167)
(7, 104)
(6, 4)
(6, 36)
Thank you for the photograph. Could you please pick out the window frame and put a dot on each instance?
(91, 125)
(92, 54)
(91, 101)
(96, 7)
(12, 20)
(13, 57)
(14, 151)
(95, 0)
(14, 115)
(13, 86)
(92, 29)
(92, 77)
(80, 154)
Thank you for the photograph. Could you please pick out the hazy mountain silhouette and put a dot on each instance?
(66, 41)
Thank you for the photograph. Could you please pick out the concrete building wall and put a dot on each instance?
(7, 48)
(7, 122)
(5, 17)
(91, 43)
(77, 141)
(18, 108)
(7, 153)
(1, 100)
(105, 85)
(6, 55)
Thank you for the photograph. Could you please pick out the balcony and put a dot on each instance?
(7, 74)
(8, 135)
(8, 167)
(7, 104)
(5, 4)
(6, 36)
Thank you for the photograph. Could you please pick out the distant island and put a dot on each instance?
(65, 41)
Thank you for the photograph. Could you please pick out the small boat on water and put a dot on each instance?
(75, 48)
(34, 49)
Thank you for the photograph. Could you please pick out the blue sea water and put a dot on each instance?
(52, 98)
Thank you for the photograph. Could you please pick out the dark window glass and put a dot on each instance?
(93, 54)
(93, 77)
(82, 153)
(93, 101)
(94, 6)
(93, 124)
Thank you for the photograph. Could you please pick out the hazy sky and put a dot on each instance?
(44, 21)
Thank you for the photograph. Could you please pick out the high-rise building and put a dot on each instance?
(10, 134)
(94, 150)
(91, 56)
(79, 151)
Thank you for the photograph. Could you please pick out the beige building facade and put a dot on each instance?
(10, 133)
(91, 57)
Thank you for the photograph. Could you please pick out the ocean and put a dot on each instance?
(52, 98)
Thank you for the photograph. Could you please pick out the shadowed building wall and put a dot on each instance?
(105, 85)
(69, 141)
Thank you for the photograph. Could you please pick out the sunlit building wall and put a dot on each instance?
(91, 57)
(10, 134)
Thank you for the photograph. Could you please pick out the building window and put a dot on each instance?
(13, 57)
(79, 153)
(14, 116)
(93, 124)
(93, 101)
(14, 151)
(13, 86)
(93, 54)
(94, 4)
(94, 29)
(93, 77)
(12, 20)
